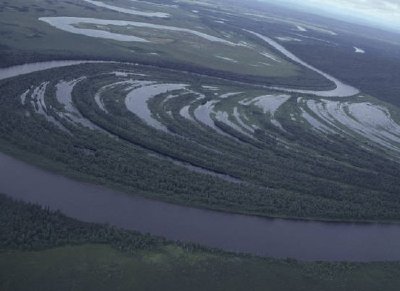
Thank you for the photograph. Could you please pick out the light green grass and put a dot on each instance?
(23, 32)
(99, 267)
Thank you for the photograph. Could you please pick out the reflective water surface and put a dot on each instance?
(268, 237)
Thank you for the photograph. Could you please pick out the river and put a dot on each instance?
(278, 238)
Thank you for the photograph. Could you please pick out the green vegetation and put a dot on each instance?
(25, 39)
(207, 144)
(44, 250)
(261, 169)
(31, 227)
(291, 173)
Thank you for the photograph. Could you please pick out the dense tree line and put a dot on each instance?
(51, 235)
(32, 227)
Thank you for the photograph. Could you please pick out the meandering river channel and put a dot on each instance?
(277, 238)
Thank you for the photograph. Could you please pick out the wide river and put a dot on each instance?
(277, 238)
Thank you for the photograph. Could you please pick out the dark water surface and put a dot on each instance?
(268, 237)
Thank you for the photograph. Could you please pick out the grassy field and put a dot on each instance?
(100, 267)
(27, 36)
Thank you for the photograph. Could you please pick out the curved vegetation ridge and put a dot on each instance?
(217, 137)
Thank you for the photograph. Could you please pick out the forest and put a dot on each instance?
(37, 243)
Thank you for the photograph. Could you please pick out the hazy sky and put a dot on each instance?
(384, 13)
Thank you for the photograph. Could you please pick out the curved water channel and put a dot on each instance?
(240, 233)
(341, 90)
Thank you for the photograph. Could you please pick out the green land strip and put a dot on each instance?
(44, 250)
